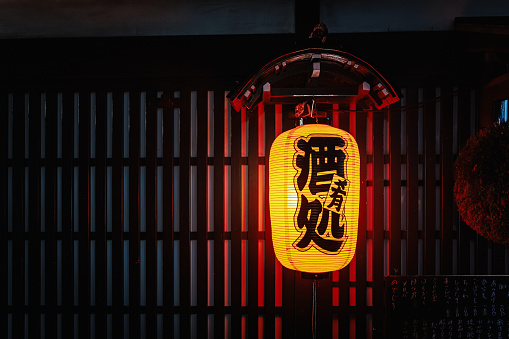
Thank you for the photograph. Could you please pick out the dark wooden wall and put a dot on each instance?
(137, 206)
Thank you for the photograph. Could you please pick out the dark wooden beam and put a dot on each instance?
(482, 24)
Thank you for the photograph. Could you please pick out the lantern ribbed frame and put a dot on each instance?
(284, 201)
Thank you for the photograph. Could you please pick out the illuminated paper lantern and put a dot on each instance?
(314, 198)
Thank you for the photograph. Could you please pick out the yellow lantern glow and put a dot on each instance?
(314, 198)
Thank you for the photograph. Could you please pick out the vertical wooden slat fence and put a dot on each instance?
(429, 180)
(412, 193)
(446, 177)
(83, 215)
(4, 214)
(378, 228)
(18, 214)
(201, 210)
(67, 247)
(117, 216)
(219, 217)
(151, 217)
(269, 274)
(134, 213)
(289, 276)
(51, 216)
(236, 237)
(394, 122)
(168, 215)
(344, 280)
(34, 215)
(184, 216)
(252, 225)
(101, 292)
(90, 254)
(361, 329)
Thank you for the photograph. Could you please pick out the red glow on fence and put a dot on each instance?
(278, 274)
(353, 268)
(226, 273)
(278, 120)
(279, 283)
(278, 328)
(352, 296)
(261, 198)
(335, 115)
(243, 274)
(335, 276)
(261, 130)
(243, 132)
(261, 272)
(353, 126)
(243, 198)
(335, 296)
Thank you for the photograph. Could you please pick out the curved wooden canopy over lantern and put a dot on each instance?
(320, 74)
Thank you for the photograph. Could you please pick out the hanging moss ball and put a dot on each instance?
(481, 188)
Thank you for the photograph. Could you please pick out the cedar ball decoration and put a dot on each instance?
(482, 183)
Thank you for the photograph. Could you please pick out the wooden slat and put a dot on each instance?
(168, 191)
(201, 200)
(395, 189)
(184, 194)
(219, 219)
(429, 180)
(289, 276)
(151, 217)
(446, 174)
(67, 215)
(18, 215)
(252, 227)
(117, 214)
(4, 122)
(100, 216)
(378, 219)
(50, 196)
(334, 120)
(34, 215)
(412, 189)
(344, 274)
(360, 253)
(269, 287)
(465, 232)
(84, 216)
(134, 213)
(236, 222)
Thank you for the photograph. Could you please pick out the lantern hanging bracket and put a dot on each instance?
(314, 276)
